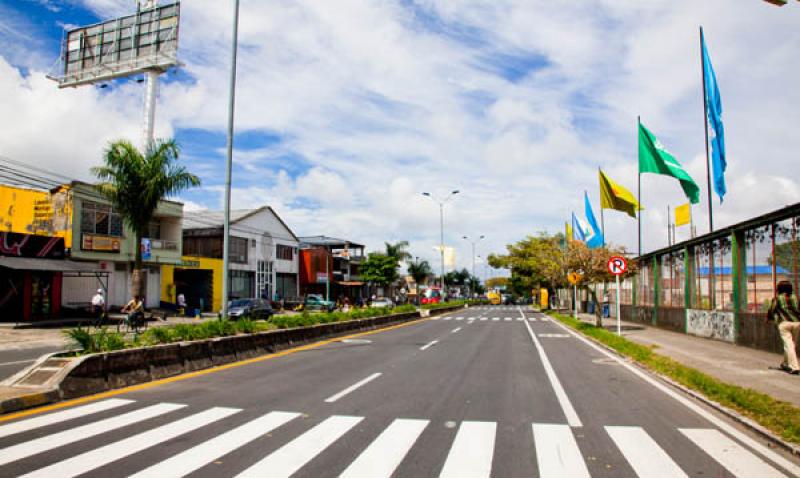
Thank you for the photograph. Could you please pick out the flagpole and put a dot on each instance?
(669, 232)
(602, 218)
(639, 191)
(705, 123)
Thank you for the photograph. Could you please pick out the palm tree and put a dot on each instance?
(398, 251)
(136, 182)
(419, 271)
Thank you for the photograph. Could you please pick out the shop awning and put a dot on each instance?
(350, 283)
(35, 264)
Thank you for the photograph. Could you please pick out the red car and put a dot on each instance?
(432, 295)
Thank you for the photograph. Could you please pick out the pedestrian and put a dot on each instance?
(98, 306)
(784, 311)
(181, 304)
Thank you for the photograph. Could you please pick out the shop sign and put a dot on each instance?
(94, 242)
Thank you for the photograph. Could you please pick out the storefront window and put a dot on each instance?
(100, 219)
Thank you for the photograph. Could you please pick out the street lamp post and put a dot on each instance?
(473, 256)
(441, 227)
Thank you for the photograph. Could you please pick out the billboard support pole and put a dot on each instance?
(151, 92)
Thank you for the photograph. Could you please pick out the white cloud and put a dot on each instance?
(381, 105)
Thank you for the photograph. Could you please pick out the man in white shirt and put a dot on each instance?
(98, 305)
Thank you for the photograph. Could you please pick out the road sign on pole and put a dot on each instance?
(617, 265)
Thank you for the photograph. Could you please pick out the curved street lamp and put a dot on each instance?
(473, 255)
(441, 226)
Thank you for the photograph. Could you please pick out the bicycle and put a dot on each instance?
(135, 323)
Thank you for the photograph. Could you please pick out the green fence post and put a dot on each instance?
(739, 279)
(656, 288)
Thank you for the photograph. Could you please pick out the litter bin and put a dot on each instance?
(606, 310)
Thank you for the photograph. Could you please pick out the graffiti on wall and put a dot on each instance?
(712, 324)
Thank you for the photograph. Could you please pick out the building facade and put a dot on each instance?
(346, 258)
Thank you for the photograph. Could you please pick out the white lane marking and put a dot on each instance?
(646, 458)
(58, 417)
(429, 345)
(495, 319)
(472, 451)
(555, 335)
(718, 422)
(17, 362)
(286, 460)
(455, 330)
(520, 319)
(55, 440)
(557, 452)
(198, 456)
(509, 319)
(561, 395)
(387, 451)
(448, 318)
(544, 319)
(83, 463)
(531, 319)
(459, 318)
(349, 389)
(734, 457)
(484, 319)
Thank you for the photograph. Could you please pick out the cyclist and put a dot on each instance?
(135, 310)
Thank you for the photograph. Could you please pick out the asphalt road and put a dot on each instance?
(14, 360)
(483, 392)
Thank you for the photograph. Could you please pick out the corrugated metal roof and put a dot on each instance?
(328, 241)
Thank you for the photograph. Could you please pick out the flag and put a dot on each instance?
(714, 109)
(568, 230)
(683, 215)
(614, 196)
(654, 158)
(578, 232)
(596, 238)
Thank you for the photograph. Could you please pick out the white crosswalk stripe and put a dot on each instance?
(48, 442)
(62, 416)
(531, 319)
(472, 451)
(98, 457)
(509, 319)
(448, 318)
(459, 318)
(644, 455)
(495, 319)
(292, 456)
(196, 457)
(387, 451)
(734, 457)
(557, 452)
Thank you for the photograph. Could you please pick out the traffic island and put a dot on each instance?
(64, 375)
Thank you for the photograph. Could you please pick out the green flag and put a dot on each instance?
(654, 158)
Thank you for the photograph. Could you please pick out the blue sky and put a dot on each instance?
(346, 111)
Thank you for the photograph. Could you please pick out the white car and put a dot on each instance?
(382, 302)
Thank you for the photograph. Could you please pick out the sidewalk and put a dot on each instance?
(742, 366)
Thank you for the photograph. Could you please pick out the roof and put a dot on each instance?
(205, 219)
(36, 264)
(328, 241)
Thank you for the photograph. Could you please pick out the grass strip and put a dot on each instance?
(777, 416)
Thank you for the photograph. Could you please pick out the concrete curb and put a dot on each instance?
(96, 373)
(732, 414)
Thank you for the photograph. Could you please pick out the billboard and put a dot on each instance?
(144, 41)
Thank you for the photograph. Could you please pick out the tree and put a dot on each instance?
(398, 251)
(136, 182)
(495, 282)
(379, 269)
(420, 271)
(536, 261)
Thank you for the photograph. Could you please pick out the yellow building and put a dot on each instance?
(199, 279)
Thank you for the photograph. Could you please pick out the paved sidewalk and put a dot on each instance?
(743, 366)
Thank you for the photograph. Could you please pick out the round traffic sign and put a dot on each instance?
(617, 265)
(574, 278)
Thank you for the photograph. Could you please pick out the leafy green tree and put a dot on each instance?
(379, 269)
(420, 271)
(536, 261)
(398, 250)
(136, 182)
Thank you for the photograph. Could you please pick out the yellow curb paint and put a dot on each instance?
(198, 373)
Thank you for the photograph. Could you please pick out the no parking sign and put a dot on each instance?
(617, 265)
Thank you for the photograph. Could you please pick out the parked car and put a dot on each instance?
(431, 295)
(508, 299)
(251, 308)
(383, 302)
(317, 302)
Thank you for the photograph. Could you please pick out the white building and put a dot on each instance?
(263, 256)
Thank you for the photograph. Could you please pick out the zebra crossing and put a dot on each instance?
(486, 318)
(556, 451)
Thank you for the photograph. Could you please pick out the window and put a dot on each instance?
(100, 219)
(203, 246)
(154, 230)
(238, 250)
(285, 253)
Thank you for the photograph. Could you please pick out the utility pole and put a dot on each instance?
(473, 256)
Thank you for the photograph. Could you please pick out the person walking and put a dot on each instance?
(784, 311)
(98, 307)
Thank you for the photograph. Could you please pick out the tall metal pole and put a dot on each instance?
(229, 163)
(441, 241)
(150, 95)
(619, 327)
(705, 123)
(639, 190)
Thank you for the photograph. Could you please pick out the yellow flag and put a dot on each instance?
(614, 196)
(683, 215)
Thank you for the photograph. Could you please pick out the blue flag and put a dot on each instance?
(714, 107)
(594, 238)
(578, 229)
